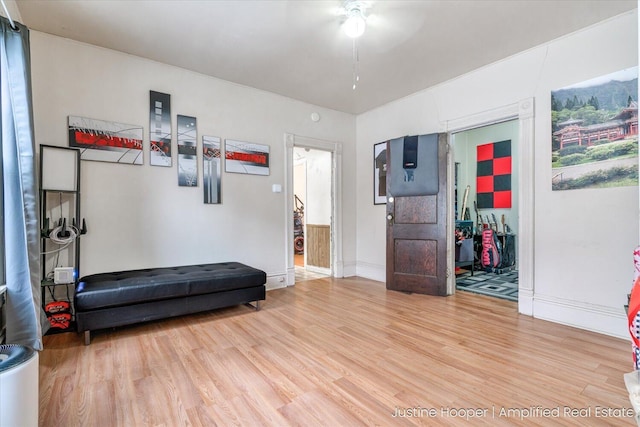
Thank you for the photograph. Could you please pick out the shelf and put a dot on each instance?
(53, 190)
(53, 330)
(59, 204)
(46, 283)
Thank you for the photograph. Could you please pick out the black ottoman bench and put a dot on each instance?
(107, 300)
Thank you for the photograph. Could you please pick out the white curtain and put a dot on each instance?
(22, 230)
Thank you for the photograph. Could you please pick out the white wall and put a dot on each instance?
(318, 204)
(300, 180)
(137, 216)
(583, 239)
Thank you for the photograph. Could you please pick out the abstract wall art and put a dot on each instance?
(159, 129)
(211, 160)
(187, 152)
(246, 157)
(493, 178)
(106, 141)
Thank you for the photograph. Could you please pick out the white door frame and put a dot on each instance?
(335, 148)
(524, 112)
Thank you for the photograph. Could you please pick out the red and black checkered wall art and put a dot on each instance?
(493, 181)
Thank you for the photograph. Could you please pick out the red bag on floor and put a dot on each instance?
(60, 320)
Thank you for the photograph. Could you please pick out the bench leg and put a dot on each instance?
(256, 305)
(87, 337)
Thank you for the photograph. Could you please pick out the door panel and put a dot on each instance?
(416, 256)
(417, 230)
(416, 210)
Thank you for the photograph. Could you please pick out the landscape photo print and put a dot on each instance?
(594, 127)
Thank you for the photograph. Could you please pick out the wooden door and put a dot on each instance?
(417, 233)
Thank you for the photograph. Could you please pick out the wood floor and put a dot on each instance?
(338, 352)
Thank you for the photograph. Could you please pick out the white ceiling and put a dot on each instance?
(296, 48)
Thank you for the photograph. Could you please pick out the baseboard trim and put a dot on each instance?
(348, 270)
(592, 317)
(371, 271)
(277, 280)
(319, 270)
(525, 301)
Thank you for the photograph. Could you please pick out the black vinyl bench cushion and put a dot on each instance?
(135, 286)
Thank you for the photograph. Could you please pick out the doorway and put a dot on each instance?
(312, 213)
(487, 219)
(321, 206)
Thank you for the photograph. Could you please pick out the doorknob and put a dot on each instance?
(390, 218)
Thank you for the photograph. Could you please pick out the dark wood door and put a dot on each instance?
(417, 234)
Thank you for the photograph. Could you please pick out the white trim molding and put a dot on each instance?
(485, 118)
(276, 280)
(371, 271)
(335, 148)
(592, 317)
(524, 112)
(526, 207)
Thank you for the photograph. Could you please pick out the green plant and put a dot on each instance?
(601, 152)
(611, 150)
(572, 149)
(572, 159)
(601, 178)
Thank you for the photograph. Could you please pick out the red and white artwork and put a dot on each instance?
(105, 141)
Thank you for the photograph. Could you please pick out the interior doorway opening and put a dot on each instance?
(486, 192)
(312, 212)
(331, 184)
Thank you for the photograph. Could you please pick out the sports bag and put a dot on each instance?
(491, 250)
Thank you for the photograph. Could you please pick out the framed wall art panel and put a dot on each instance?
(105, 141)
(187, 152)
(211, 160)
(493, 177)
(159, 129)
(246, 157)
(380, 173)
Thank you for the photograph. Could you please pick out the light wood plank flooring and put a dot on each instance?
(302, 275)
(337, 352)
